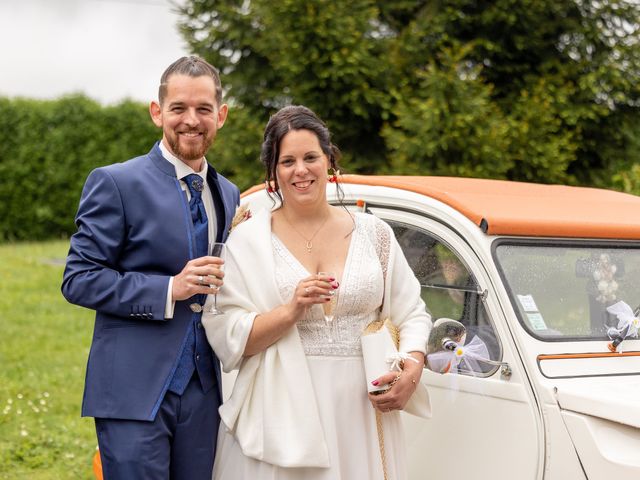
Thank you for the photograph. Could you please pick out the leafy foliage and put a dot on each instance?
(48, 149)
(537, 90)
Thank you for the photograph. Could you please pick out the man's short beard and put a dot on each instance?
(192, 153)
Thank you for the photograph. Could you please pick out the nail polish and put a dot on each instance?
(375, 383)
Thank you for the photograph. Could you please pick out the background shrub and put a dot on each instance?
(47, 149)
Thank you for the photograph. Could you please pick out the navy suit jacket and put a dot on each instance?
(134, 233)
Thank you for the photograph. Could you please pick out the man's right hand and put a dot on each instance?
(200, 275)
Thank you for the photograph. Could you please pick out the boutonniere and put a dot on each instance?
(242, 213)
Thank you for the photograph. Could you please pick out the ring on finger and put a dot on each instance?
(306, 291)
(200, 279)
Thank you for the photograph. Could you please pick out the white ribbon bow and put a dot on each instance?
(473, 352)
(446, 361)
(626, 318)
(395, 360)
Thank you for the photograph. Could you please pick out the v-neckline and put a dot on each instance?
(346, 260)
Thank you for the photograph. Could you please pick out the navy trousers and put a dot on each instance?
(178, 445)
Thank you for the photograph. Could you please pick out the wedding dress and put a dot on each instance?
(334, 358)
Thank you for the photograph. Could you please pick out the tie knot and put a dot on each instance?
(194, 184)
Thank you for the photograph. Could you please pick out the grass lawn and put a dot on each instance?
(44, 343)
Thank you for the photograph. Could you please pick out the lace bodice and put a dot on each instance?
(359, 295)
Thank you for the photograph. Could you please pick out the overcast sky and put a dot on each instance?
(107, 49)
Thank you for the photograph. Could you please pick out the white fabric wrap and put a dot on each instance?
(272, 410)
(403, 304)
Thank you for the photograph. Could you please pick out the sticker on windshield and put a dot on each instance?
(536, 321)
(528, 304)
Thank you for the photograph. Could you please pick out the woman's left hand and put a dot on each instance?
(402, 385)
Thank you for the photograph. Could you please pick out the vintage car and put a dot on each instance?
(534, 360)
(547, 384)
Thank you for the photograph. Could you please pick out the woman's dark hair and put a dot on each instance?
(294, 117)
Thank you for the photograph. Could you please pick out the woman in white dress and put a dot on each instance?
(299, 407)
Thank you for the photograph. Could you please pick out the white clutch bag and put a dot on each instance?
(380, 342)
(378, 351)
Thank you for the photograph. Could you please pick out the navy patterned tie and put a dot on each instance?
(195, 353)
(198, 214)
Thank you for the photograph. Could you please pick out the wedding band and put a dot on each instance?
(413, 380)
(200, 279)
(306, 291)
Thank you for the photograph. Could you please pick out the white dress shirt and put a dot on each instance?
(182, 170)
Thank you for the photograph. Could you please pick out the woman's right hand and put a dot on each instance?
(269, 327)
(315, 289)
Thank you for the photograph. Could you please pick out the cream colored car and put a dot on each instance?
(546, 384)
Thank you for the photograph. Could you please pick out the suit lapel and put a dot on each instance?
(218, 203)
(167, 168)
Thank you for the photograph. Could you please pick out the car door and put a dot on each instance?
(485, 423)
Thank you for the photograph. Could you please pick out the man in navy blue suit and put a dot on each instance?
(140, 259)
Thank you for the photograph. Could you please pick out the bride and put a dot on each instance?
(299, 408)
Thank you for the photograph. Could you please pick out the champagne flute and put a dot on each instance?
(216, 249)
(330, 306)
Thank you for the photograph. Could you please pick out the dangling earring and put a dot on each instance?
(333, 175)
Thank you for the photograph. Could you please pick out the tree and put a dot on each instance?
(538, 90)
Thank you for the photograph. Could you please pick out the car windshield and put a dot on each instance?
(562, 291)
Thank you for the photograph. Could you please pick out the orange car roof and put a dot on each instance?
(503, 207)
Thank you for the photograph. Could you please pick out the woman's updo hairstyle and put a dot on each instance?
(293, 117)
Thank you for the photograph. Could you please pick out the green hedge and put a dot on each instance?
(47, 149)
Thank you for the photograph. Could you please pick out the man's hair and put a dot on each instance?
(191, 66)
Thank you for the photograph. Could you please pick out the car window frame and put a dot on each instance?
(458, 244)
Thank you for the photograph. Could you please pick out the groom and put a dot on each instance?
(140, 260)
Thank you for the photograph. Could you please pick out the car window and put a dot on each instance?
(449, 289)
(563, 291)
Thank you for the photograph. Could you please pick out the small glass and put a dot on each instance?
(216, 249)
(329, 307)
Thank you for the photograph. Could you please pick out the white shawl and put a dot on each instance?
(272, 411)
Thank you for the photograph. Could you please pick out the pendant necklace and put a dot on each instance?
(309, 241)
